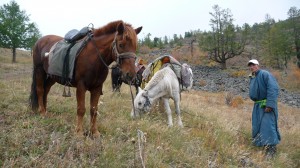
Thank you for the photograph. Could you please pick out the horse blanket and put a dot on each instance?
(57, 57)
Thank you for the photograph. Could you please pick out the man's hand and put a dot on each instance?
(268, 109)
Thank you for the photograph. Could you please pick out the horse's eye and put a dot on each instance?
(121, 45)
(140, 103)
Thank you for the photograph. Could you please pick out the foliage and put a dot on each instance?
(15, 29)
(294, 24)
(188, 34)
(225, 41)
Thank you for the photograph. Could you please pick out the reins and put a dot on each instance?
(98, 52)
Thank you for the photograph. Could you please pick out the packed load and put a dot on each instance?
(182, 71)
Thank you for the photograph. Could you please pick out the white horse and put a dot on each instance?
(163, 85)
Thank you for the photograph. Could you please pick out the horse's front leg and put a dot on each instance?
(80, 96)
(95, 95)
(168, 111)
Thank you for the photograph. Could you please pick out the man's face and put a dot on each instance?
(253, 67)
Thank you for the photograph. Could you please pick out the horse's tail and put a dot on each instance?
(33, 99)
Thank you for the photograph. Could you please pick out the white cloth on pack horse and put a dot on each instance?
(162, 86)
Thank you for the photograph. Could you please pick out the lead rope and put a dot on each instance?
(132, 99)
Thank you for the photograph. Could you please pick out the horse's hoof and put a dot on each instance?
(170, 125)
(79, 134)
(44, 114)
(96, 134)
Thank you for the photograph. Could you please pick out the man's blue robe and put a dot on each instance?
(264, 124)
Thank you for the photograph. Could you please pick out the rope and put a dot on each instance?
(132, 99)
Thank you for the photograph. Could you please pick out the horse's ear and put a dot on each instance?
(120, 28)
(138, 30)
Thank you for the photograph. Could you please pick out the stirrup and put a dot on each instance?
(65, 94)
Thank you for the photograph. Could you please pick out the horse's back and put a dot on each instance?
(42, 46)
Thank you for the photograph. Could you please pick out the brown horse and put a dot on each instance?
(117, 41)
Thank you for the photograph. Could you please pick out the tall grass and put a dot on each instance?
(214, 134)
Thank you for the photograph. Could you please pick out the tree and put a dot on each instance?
(282, 46)
(15, 29)
(166, 41)
(294, 20)
(147, 41)
(225, 41)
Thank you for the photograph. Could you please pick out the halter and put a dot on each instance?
(125, 55)
(147, 102)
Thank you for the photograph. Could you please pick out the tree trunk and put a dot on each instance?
(14, 55)
(298, 55)
(192, 47)
(223, 65)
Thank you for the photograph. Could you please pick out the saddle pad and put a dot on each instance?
(57, 56)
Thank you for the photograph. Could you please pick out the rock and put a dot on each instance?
(217, 80)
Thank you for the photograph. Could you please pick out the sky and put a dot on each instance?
(160, 18)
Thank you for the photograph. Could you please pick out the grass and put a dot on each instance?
(214, 135)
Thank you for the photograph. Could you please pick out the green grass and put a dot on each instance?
(215, 134)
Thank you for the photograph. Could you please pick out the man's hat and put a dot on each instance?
(253, 61)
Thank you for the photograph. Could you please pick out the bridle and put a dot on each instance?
(125, 55)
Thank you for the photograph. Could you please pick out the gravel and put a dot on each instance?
(213, 79)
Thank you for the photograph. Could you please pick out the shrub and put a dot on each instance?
(238, 73)
(236, 101)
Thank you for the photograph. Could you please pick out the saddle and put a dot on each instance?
(75, 35)
(63, 54)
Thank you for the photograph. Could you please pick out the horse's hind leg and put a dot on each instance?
(177, 110)
(48, 84)
(40, 81)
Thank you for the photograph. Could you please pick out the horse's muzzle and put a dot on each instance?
(128, 77)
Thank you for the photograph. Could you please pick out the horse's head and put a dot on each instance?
(142, 103)
(187, 77)
(125, 46)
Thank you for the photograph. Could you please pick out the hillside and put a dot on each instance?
(215, 134)
(209, 77)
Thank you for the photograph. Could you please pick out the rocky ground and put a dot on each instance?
(214, 80)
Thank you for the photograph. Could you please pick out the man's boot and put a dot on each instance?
(270, 151)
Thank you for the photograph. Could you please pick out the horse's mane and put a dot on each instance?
(159, 75)
(110, 28)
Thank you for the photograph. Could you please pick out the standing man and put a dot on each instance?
(264, 92)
